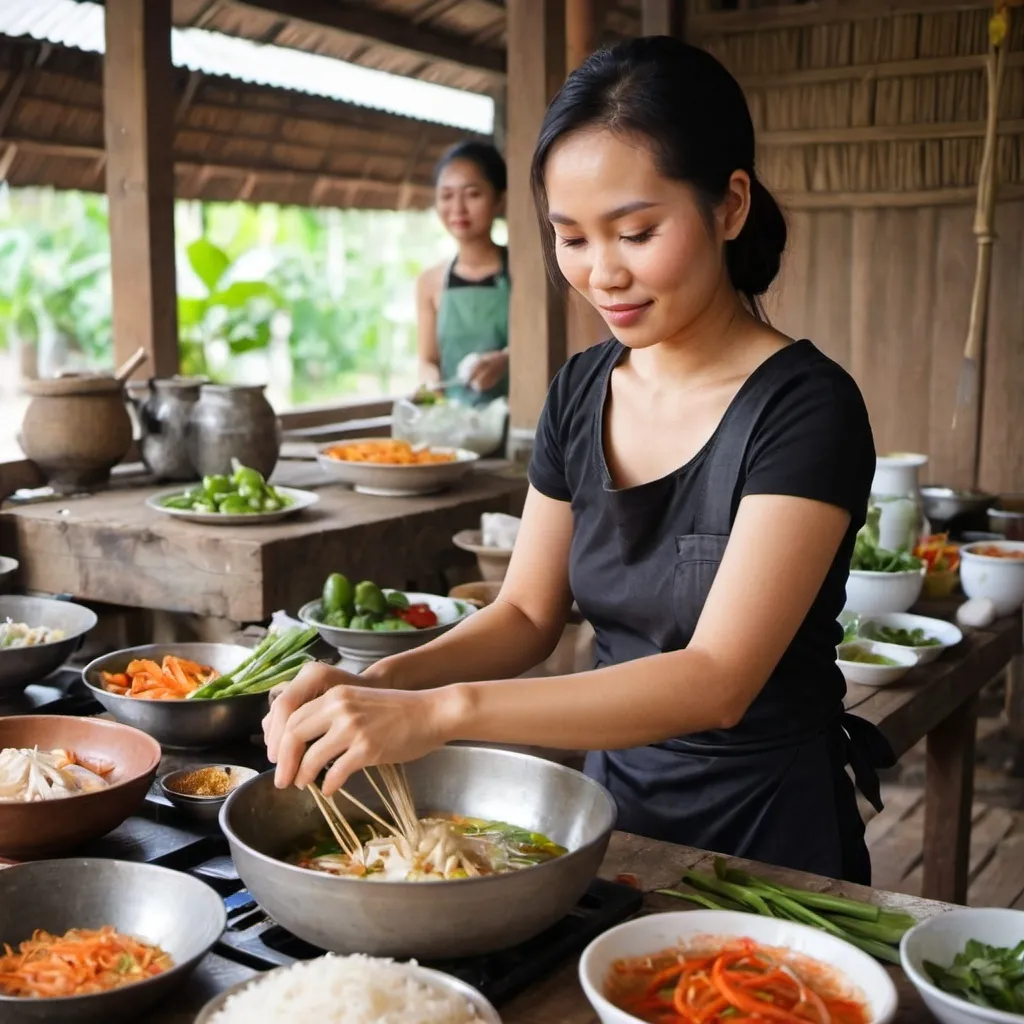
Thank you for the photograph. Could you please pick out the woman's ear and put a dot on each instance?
(735, 207)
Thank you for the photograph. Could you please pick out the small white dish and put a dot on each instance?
(946, 633)
(939, 939)
(1001, 580)
(298, 501)
(865, 673)
(642, 936)
(880, 593)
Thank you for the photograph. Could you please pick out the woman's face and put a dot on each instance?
(466, 201)
(634, 243)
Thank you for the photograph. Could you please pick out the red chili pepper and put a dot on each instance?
(419, 615)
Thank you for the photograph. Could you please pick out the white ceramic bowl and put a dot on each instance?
(939, 939)
(878, 593)
(655, 932)
(865, 674)
(1001, 580)
(945, 632)
(388, 481)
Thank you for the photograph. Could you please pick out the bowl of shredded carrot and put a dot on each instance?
(392, 468)
(86, 940)
(148, 687)
(719, 967)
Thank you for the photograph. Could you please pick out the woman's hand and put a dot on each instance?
(489, 371)
(326, 715)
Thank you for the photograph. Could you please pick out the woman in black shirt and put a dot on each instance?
(696, 485)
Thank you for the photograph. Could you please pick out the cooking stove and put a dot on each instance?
(160, 834)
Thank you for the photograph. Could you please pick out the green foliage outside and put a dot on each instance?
(332, 290)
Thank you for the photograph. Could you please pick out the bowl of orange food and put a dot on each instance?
(149, 688)
(390, 468)
(90, 940)
(700, 965)
(994, 570)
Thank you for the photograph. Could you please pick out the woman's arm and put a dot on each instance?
(426, 327)
(760, 596)
(515, 633)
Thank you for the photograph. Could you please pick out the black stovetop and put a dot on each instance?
(160, 834)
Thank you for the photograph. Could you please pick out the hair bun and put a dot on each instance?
(755, 255)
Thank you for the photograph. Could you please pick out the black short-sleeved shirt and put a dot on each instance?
(643, 558)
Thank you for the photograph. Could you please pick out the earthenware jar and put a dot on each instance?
(233, 421)
(76, 429)
(164, 410)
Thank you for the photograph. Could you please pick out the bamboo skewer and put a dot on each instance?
(984, 217)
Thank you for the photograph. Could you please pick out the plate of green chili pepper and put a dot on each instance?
(244, 498)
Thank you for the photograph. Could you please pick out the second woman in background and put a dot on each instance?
(462, 305)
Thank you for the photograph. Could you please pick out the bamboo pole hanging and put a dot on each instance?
(984, 222)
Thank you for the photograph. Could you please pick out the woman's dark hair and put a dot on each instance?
(692, 113)
(484, 155)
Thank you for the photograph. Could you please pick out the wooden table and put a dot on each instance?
(938, 702)
(559, 999)
(109, 547)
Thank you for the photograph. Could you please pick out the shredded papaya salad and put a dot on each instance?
(741, 984)
(78, 963)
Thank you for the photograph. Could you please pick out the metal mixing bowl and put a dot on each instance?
(20, 666)
(941, 504)
(170, 909)
(427, 920)
(188, 724)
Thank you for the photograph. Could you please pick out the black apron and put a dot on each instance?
(781, 798)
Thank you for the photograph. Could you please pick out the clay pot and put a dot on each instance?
(76, 429)
(164, 408)
(233, 421)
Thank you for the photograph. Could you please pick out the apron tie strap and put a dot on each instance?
(867, 751)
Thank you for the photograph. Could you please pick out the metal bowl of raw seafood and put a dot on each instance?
(462, 917)
(20, 666)
(184, 724)
(169, 909)
(44, 828)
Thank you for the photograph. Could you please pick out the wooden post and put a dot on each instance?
(948, 797)
(663, 18)
(537, 334)
(139, 104)
(500, 130)
(583, 20)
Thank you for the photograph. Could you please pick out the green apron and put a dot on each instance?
(472, 318)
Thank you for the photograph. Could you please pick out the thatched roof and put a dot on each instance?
(233, 140)
(459, 43)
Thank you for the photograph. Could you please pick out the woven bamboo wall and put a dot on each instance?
(870, 127)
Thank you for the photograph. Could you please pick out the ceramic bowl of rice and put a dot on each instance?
(353, 989)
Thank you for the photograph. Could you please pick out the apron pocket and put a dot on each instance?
(698, 558)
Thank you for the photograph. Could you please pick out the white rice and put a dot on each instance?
(345, 990)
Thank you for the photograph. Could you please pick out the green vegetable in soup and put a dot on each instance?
(901, 637)
(867, 658)
(337, 595)
(989, 976)
(370, 599)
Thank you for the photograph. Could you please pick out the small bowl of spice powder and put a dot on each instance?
(200, 791)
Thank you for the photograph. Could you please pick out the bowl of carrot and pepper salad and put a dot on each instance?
(717, 967)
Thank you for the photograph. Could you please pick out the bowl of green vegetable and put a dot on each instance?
(365, 622)
(242, 499)
(881, 581)
(968, 965)
(927, 637)
(869, 663)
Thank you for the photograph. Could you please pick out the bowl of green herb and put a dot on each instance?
(968, 965)
(881, 581)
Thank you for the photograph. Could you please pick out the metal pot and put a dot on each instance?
(20, 666)
(232, 421)
(432, 920)
(164, 410)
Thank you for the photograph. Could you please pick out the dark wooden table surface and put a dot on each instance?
(109, 547)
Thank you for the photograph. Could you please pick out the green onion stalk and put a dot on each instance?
(277, 659)
(870, 928)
